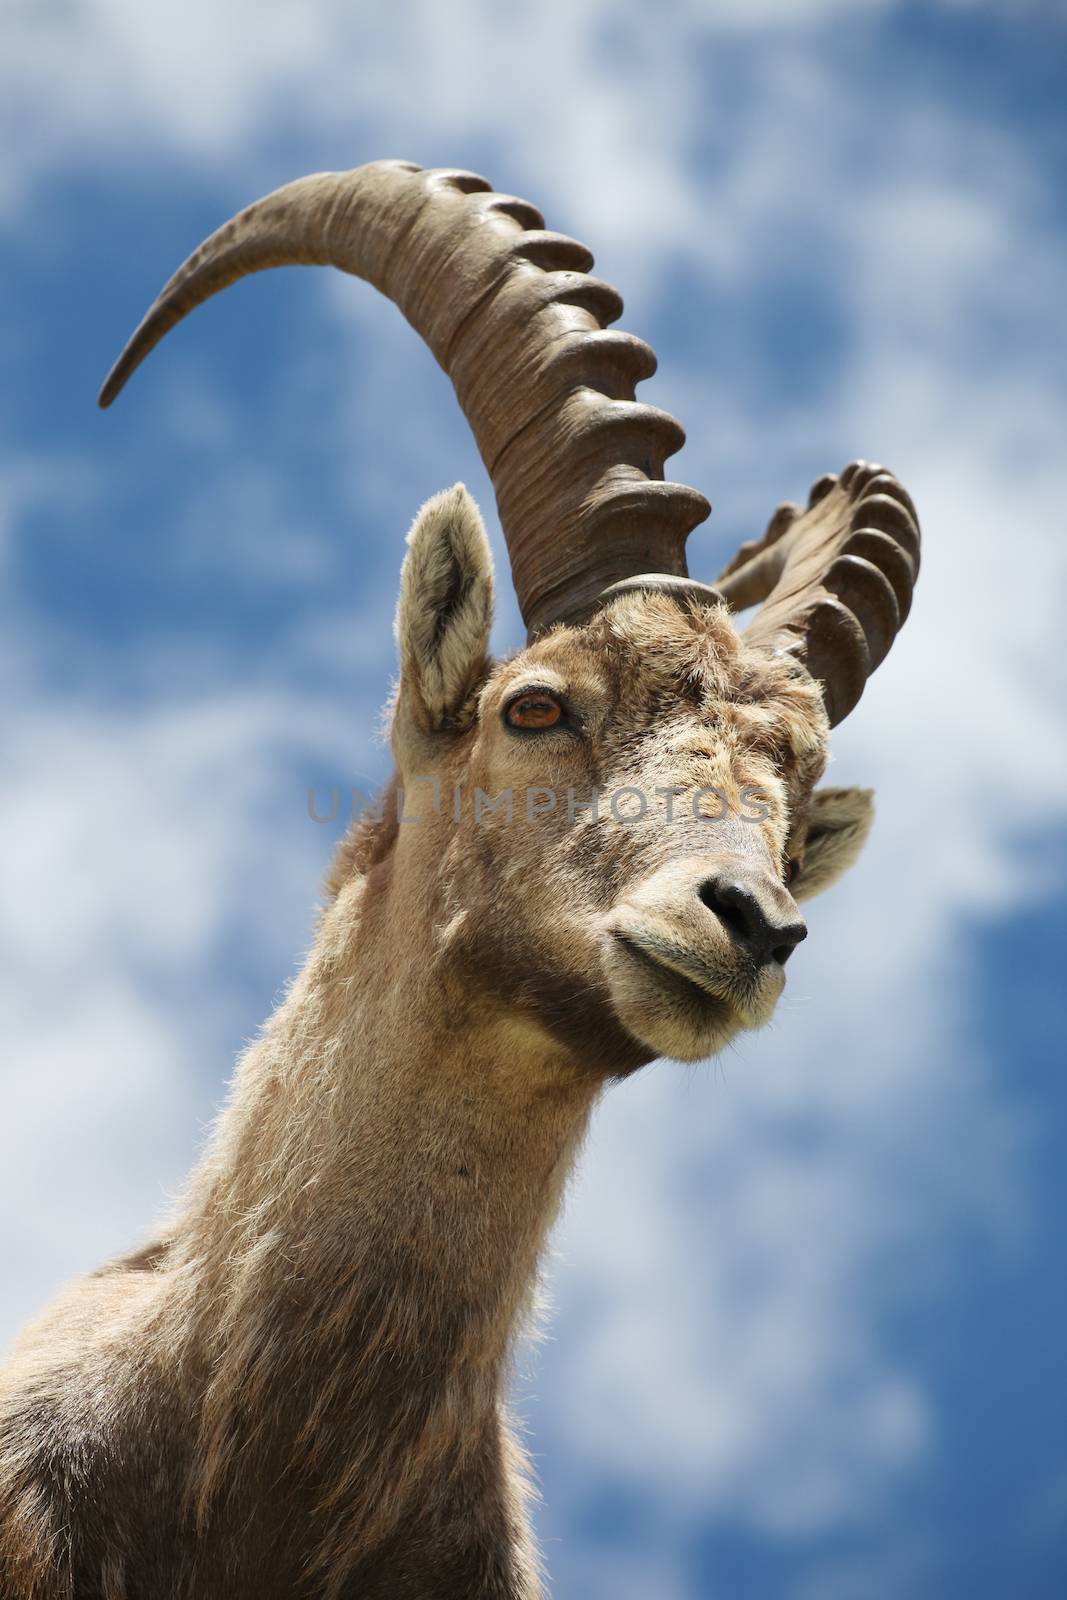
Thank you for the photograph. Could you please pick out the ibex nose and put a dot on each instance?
(767, 931)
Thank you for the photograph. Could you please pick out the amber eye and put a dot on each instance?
(789, 871)
(534, 709)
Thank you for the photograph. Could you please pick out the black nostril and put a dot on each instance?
(737, 909)
(733, 904)
(789, 938)
(742, 914)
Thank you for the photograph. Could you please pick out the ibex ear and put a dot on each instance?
(444, 613)
(837, 831)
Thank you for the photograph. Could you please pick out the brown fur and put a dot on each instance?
(296, 1389)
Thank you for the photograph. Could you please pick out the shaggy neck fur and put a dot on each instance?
(360, 1244)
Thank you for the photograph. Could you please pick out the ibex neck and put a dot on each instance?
(362, 1237)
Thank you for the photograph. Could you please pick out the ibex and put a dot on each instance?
(298, 1388)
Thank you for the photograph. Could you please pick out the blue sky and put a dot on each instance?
(808, 1316)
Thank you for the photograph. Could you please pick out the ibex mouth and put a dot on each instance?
(680, 980)
(679, 1003)
(676, 967)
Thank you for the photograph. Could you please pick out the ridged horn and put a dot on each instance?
(512, 315)
(835, 580)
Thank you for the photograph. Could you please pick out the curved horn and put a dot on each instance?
(835, 580)
(512, 316)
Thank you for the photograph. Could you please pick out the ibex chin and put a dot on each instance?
(297, 1389)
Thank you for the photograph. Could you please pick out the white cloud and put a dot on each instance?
(139, 848)
(597, 98)
(96, 1107)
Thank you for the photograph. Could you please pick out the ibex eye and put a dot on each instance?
(534, 709)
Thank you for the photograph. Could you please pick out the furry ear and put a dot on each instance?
(444, 612)
(837, 831)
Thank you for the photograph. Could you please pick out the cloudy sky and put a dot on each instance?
(809, 1308)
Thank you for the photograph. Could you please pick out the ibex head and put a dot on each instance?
(617, 823)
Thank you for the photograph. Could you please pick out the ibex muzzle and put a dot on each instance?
(696, 950)
(760, 916)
